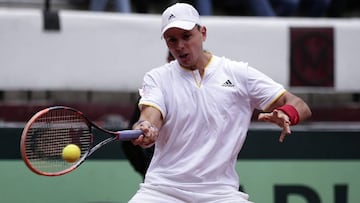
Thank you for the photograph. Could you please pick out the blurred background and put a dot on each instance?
(92, 55)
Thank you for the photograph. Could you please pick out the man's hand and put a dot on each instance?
(149, 136)
(279, 118)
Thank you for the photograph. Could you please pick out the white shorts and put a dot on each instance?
(163, 194)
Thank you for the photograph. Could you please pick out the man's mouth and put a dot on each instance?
(183, 55)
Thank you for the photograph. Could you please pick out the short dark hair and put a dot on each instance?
(198, 26)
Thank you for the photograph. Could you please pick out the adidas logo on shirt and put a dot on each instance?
(228, 84)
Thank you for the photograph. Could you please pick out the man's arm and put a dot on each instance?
(285, 111)
(150, 121)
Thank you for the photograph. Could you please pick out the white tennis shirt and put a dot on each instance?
(205, 121)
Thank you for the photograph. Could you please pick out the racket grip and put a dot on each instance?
(129, 134)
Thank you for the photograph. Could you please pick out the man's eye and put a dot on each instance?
(171, 40)
(186, 37)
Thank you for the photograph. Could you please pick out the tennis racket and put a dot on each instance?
(47, 133)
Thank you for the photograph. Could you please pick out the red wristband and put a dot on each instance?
(290, 111)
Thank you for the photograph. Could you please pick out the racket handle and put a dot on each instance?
(129, 134)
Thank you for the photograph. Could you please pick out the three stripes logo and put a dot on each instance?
(228, 83)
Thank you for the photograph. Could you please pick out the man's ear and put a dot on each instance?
(203, 32)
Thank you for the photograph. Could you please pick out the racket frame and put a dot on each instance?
(115, 135)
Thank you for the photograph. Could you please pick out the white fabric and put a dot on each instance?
(205, 122)
(163, 194)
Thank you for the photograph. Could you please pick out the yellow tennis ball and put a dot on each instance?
(71, 153)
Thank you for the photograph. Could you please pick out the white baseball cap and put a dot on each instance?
(180, 15)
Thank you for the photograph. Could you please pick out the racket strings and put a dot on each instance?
(48, 136)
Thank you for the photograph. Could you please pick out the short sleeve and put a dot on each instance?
(151, 94)
(262, 89)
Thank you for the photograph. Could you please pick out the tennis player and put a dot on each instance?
(198, 110)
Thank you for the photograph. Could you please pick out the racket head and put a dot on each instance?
(47, 133)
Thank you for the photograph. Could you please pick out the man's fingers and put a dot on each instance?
(265, 117)
(282, 136)
(149, 135)
(138, 140)
(285, 131)
(278, 118)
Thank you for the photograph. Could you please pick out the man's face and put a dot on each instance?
(186, 45)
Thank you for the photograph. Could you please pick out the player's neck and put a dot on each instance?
(202, 63)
